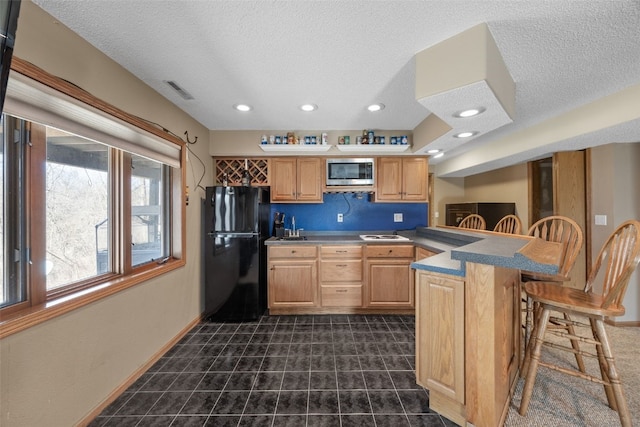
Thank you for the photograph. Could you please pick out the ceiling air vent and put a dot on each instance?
(183, 93)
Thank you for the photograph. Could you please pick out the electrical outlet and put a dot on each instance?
(340, 218)
(397, 217)
(436, 214)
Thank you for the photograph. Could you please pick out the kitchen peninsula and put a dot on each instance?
(468, 346)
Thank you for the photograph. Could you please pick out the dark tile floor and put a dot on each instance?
(332, 370)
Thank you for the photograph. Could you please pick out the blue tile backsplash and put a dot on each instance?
(359, 214)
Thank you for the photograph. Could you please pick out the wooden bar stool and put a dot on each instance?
(560, 229)
(473, 222)
(618, 258)
(509, 224)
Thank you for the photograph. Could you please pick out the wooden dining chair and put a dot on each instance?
(601, 298)
(510, 224)
(474, 222)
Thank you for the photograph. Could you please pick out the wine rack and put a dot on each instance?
(233, 167)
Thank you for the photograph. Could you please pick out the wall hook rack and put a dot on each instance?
(190, 142)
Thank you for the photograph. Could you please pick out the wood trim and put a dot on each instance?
(631, 323)
(32, 71)
(137, 374)
(588, 226)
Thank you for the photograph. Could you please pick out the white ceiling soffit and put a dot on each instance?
(463, 72)
(612, 119)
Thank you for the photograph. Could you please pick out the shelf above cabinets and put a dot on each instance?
(295, 148)
(353, 148)
(373, 148)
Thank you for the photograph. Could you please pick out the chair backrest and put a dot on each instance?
(563, 230)
(473, 221)
(509, 224)
(619, 256)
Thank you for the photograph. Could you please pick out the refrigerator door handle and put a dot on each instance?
(222, 234)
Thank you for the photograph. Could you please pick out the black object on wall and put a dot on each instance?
(491, 212)
(9, 11)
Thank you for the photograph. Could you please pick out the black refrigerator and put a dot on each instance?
(236, 226)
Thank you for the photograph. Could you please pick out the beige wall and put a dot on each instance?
(503, 185)
(615, 193)
(55, 373)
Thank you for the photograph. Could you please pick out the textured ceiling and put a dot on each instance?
(345, 55)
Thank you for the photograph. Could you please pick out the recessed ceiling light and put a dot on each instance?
(242, 107)
(437, 156)
(464, 134)
(308, 107)
(469, 113)
(375, 107)
(433, 151)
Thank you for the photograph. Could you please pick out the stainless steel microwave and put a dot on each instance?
(350, 172)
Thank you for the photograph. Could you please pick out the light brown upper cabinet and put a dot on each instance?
(402, 179)
(296, 179)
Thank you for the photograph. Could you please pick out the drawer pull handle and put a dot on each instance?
(341, 252)
(342, 290)
(293, 252)
(341, 265)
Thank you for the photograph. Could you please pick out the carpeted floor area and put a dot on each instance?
(563, 400)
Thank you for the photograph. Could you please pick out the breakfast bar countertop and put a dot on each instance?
(488, 248)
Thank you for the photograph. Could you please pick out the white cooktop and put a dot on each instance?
(382, 237)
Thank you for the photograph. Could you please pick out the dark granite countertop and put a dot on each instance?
(338, 238)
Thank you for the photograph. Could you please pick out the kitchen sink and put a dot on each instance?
(382, 237)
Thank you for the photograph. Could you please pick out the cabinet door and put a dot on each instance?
(422, 253)
(309, 185)
(440, 335)
(389, 178)
(283, 179)
(292, 283)
(415, 178)
(390, 283)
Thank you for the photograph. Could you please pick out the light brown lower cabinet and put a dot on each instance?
(341, 276)
(340, 279)
(440, 353)
(468, 342)
(388, 276)
(292, 276)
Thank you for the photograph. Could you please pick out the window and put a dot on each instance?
(149, 216)
(91, 203)
(77, 191)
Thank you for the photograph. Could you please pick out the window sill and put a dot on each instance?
(24, 319)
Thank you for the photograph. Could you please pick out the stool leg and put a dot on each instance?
(529, 329)
(575, 345)
(533, 359)
(612, 374)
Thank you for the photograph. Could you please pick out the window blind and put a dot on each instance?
(31, 100)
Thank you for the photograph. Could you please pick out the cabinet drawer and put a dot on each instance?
(293, 251)
(347, 270)
(342, 296)
(389, 251)
(341, 251)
